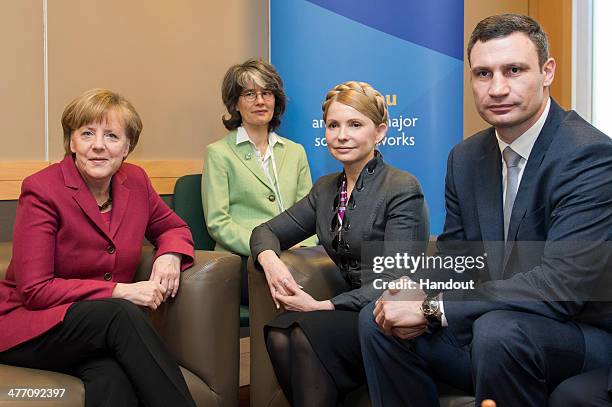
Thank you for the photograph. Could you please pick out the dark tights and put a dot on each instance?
(300, 373)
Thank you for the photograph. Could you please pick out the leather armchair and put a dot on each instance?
(200, 327)
(314, 270)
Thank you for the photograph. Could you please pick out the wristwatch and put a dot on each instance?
(431, 308)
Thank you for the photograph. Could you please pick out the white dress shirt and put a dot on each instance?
(522, 146)
(268, 158)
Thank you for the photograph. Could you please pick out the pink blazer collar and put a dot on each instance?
(84, 198)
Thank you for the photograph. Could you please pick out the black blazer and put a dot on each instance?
(564, 201)
(386, 204)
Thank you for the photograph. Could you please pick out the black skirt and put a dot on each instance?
(334, 337)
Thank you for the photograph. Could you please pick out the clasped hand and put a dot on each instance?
(283, 288)
(167, 271)
(299, 300)
(163, 283)
(398, 313)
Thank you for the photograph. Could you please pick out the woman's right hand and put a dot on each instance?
(144, 293)
(277, 274)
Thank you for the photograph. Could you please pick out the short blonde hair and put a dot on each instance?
(93, 106)
(362, 97)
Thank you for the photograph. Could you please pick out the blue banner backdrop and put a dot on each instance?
(411, 51)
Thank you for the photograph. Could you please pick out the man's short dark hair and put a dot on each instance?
(502, 25)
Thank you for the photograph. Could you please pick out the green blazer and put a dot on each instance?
(237, 195)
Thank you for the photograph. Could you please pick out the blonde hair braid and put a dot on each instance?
(362, 97)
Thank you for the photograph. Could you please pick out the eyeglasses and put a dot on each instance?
(251, 95)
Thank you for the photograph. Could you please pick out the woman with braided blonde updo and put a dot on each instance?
(314, 346)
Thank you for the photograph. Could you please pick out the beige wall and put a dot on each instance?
(21, 80)
(556, 18)
(167, 57)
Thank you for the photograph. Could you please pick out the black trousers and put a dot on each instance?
(112, 347)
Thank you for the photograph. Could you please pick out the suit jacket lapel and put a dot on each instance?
(525, 191)
(244, 153)
(121, 197)
(489, 203)
(82, 196)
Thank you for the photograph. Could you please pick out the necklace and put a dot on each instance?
(106, 204)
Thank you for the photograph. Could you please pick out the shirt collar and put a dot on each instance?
(525, 142)
(242, 136)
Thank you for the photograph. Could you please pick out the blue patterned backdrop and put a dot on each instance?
(411, 51)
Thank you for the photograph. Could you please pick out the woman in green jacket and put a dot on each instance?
(252, 174)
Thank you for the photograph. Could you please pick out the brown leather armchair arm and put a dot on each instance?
(201, 326)
(312, 269)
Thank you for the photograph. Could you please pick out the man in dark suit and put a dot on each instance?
(535, 193)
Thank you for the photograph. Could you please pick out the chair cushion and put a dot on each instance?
(19, 377)
(202, 394)
(74, 396)
(244, 315)
(453, 397)
(449, 397)
(187, 204)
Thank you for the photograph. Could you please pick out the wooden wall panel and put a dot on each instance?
(18, 170)
(167, 57)
(556, 18)
(21, 80)
(163, 174)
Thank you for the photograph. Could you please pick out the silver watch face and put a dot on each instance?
(430, 307)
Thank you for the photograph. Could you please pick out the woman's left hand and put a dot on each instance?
(167, 271)
(299, 300)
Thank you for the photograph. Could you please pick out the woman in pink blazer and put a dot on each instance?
(68, 303)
